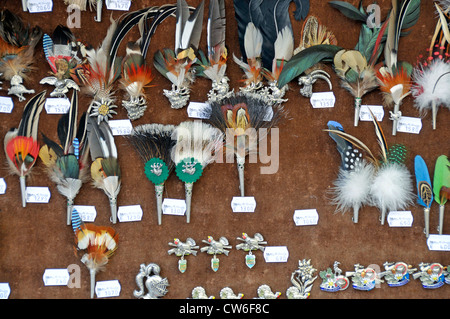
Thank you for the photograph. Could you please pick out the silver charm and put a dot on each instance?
(216, 248)
(265, 292)
(219, 90)
(102, 109)
(61, 86)
(249, 244)
(302, 279)
(333, 280)
(155, 284)
(396, 274)
(431, 275)
(183, 249)
(364, 278)
(135, 107)
(309, 79)
(273, 95)
(178, 96)
(18, 89)
(200, 293)
(228, 293)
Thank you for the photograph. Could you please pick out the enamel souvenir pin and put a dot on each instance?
(333, 280)
(302, 280)
(182, 249)
(364, 278)
(396, 274)
(215, 248)
(431, 275)
(249, 244)
(148, 277)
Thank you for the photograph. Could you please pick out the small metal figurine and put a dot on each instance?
(200, 293)
(265, 292)
(364, 278)
(302, 279)
(18, 89)
(396, 274)
(155, 284)
(228, 293)
(219, 90)
(309, 79)
(431, 275)
(62, 86)
(249, 244)
(135, 107)
(215, 248)
(333, 281)
(183, 249)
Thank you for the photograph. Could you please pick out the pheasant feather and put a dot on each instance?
(441, 186)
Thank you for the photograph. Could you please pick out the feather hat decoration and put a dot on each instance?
(177, 65)
(21, 144)
(67, 161)
(424, 190)
(244, 121)
(351, 189)
(197, 145)
(17, 44)
(105, 169)
(99, 243)
(65, 55)
(153, 142)
(441, 186)
(391, 186)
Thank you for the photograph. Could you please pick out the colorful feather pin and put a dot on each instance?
(21, 144)
(105, 169)
(244, 121)
(17, 44)
(197, 145)
(441, 186)
(67, 161)
(153, 142)
(176, 65)
(424, 189)
(99, 242)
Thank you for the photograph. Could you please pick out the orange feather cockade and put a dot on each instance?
(141, 74)
(23, 150)
(102, 241)
(389, 80)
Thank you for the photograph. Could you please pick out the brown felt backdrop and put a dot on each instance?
(36, 238)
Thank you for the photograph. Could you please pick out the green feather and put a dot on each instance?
(441, 178)
(397, 154)
(69, 166)
(349, 10)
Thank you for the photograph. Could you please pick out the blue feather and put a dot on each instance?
(422, 176)
(48, 46)
(77, 222)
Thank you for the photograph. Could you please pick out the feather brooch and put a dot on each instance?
(105, 169)
(441, 186)
(177, 65)
(153, 143)
(197, 145)
(21, 144)
(67, 161)
(424, 190)
(17, 44)
(99, 243)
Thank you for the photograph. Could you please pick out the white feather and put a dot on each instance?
(69, 187)
(431, 83)
(284, 45)
(252, 41)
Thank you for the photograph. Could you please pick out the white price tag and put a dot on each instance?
(199, 110)
(243, 204)
(87, 213)
(108, 288)
(120, 127)
(121, 5)
(57, 105)
(5, 290)
(408, 124)
(400, 219)
(276, 254)
(320, 100)
(129, 213)
(304, 217)
(38, 194)
(438, 242)
(6, 104)
(172, 206)
(36, 6)
(377, 110)
(56, 277)
(2, 186)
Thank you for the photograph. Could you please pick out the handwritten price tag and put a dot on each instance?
(438, 242)
(276, 254)
(305, 217)
(5, 290)
(400, 219)
(408, 124)
(377, 110)
(38, 194)
(57, 105)
(6, 104)
(243, 204)
(174, 206)
(199, 110)
(121, 5)
(108, 288)
(120, 127)
(87, 213)
(129, 213)
(56, 277)
(36, 6)
(2, 186)
(320, 100)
